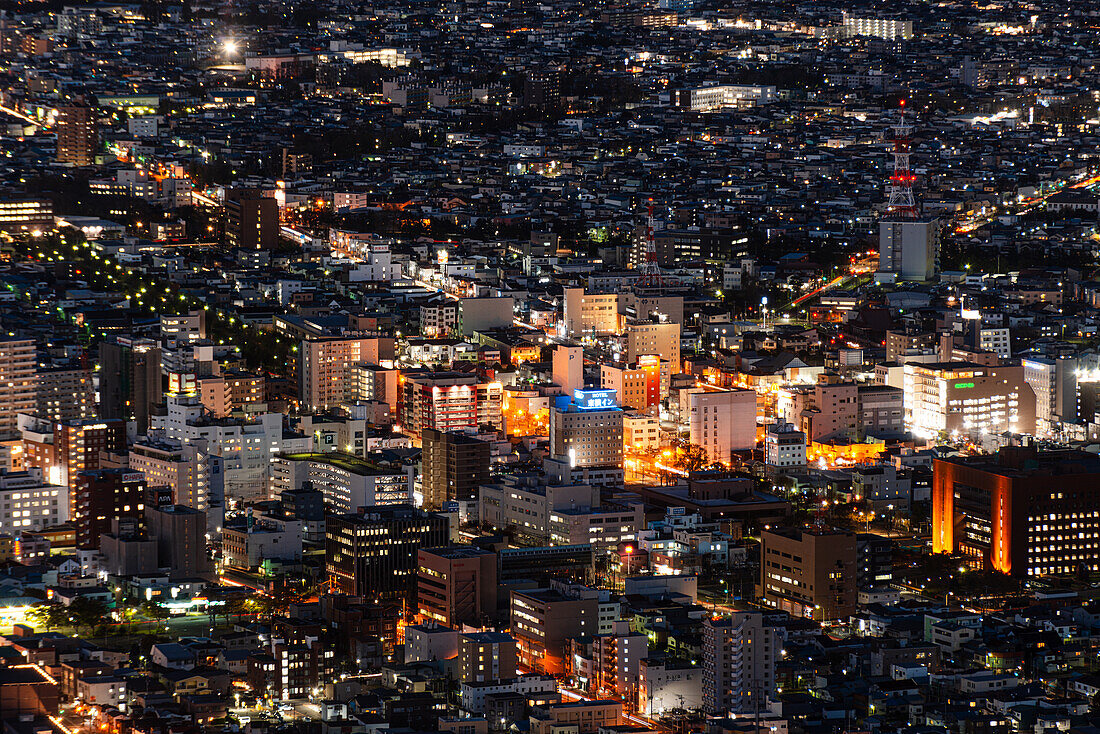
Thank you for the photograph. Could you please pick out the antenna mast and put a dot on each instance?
(651, 271)
(902, 203)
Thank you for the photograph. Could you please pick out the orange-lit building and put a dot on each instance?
(1021, 511)
(844, 452)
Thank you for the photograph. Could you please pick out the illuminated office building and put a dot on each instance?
(1020, 511)
(949, 397)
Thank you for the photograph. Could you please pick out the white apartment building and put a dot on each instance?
(347, 482)
(641, 432)
(886, 28)
(784, 446)
(439, 319)
(247, 447)
(28, 503)
(376, 264)
(186, 468)
(739, 657)
(722, 421)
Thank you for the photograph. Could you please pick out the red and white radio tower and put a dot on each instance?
(902, 203)
(651, 271)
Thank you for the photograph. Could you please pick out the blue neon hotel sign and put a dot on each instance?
(594, 399)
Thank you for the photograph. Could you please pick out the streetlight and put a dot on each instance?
(764, 305)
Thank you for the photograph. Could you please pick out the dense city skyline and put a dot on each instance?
(719, 366)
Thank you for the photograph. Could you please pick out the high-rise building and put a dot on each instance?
(823, 411)
(457, 585)
(542, 88)
(1021, 511)
(610, 661)
(191, 472)
(372, 383)
(945, 397)
(654, 338)
(17, 383)
(631, 384)
(876, 561)
(373, 553)
(346, 482)
(183, 328)
(908, 247)
(588, 430)
(1054, 381)
(246, 445)
(739, 659)
(230, 391)
(568, 367)
(447, 401)
(890, 29)
(912, 342)
(543, 621)
(77, 137)
(589, 314)
(326, 378)
(101, 496)
(28, 503)
(251, 220)
(722, 421)
(180, 534)
(454, 465)
(809, 572)
(130, 383)
(439, 319)
(486, 656)
(79, 444)
(881, 411)
(64, 393)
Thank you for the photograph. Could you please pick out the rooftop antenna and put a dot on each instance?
(902, 203)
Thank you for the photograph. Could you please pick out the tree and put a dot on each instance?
(153, 610)
(49, 615)
(87, 612)
(690, 457)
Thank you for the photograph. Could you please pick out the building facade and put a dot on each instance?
(373, 553)
(810, 573)
(17, 383)
(963, 397)
(29, 503)
(740, 653)
(1021, 511)
(722, 421)
(589, 431)
(454, 466)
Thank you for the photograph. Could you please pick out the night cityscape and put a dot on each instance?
(671, 366)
